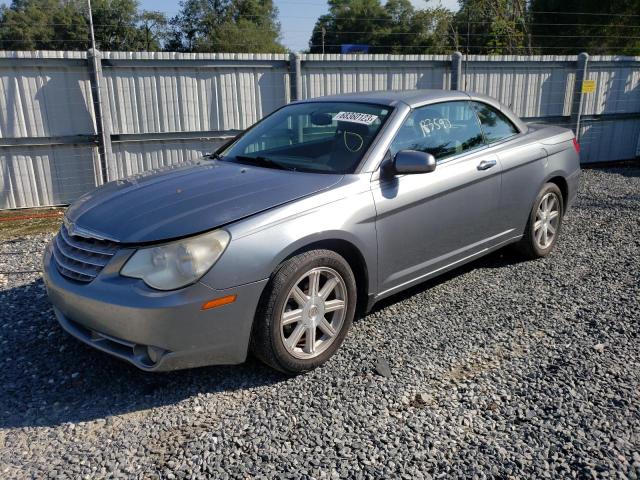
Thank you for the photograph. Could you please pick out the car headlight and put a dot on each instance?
(177, 264)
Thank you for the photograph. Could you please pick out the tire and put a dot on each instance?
(544, 219)
(287, 319)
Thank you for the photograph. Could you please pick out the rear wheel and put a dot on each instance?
(305, 312)
(545, 220)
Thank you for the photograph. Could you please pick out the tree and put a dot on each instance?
(201, 26)
(226, 26)
(611, 27)
(395, 27)
(43, 24)
(355, 21)
(70, 28)
(153, 30)
(63, 25)
(493, 26)
(414, 31)
(115, 24)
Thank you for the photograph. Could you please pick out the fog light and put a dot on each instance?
(154, 353)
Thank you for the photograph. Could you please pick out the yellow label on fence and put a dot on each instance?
(588, 86)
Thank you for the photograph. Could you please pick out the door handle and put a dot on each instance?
(486, 164)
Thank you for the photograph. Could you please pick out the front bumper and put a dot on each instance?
(154, 330)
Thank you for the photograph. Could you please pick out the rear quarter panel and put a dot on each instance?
(528, 163)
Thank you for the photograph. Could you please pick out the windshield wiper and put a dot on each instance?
(261, 162)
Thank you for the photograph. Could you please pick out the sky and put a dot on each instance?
(297, 17)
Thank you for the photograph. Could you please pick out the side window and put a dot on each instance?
(441, 129)
(495, 124)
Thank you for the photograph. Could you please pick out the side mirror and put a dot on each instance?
(413, 161)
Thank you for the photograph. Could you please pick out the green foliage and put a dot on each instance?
(549, 26)
(243, 26)
(201, 26)
(493, 26)
(153, 30)
(63, 25)
(115, 24)
(482, 27)
(611, 27)
(392, 26)
(43, 24)
(395, 27)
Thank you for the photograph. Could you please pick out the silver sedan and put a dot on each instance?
(275, 242)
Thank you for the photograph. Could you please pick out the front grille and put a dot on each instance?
(81, 258)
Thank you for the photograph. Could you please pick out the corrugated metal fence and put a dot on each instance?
(160, 109)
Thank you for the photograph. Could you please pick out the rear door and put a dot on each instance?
(429, 221)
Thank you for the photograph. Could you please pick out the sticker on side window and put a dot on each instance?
(355, 117)
(429, 125)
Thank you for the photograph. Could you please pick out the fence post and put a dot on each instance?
(295, 67)
(578, 96)
(102, 129)
(456, 71)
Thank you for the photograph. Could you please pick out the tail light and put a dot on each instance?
(576, 145)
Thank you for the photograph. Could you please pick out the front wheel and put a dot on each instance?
(545, 220)
(305, 312)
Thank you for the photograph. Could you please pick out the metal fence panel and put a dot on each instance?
(33, 176)
(132, 158)
(44, 96)
(335, 74)
(161, 109)
(42, 100)
(617, 85)
(537, 86)
(157, 93)
(610, 139)
(182, 92)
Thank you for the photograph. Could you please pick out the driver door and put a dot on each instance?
(427, 222)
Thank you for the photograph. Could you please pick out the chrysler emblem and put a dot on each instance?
(74, 231)
(71, 228)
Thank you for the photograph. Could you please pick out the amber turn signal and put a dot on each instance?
(218, 302)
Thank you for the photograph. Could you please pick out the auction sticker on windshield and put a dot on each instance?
(355, 117)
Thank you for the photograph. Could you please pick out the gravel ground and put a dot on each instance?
(502, 369)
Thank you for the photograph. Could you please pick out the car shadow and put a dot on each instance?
(50, 378)
(499, 259)
(628, 169)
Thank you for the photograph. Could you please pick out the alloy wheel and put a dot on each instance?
(313, 313)
(547, 220)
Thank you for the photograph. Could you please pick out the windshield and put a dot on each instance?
(317, 137)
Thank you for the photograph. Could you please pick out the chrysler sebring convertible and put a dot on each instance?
(273, 244)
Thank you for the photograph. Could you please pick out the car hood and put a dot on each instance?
(187, 200)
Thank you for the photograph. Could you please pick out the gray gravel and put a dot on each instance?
(502, 369)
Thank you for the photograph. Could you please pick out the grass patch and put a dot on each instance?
(20, 223)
